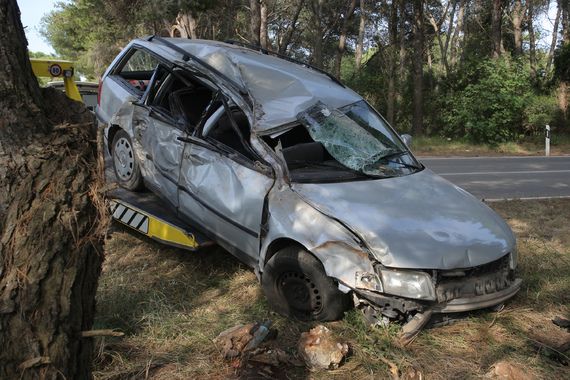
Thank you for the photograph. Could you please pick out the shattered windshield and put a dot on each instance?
(358, 138)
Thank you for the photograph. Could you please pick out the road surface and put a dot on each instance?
(493, 178)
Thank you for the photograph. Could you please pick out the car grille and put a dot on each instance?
(484, 279)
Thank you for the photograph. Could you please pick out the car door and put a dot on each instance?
(156, 136)
(223, 184)
(126, 83)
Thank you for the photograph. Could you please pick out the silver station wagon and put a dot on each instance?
(301, 179)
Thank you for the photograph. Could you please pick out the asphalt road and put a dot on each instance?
(493, 178)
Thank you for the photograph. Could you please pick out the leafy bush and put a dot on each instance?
(490, 107)
(539, 111)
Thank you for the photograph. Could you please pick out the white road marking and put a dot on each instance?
(489, 157)
(515, 172)
(524, 198)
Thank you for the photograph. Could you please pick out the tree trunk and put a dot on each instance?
(518, 13)
(564, 5)
(550, 56)
(532, 38)
(255, 23)
(230, 16)
(392, 51)
(496, 24)
(342, 39)
(263, 33)
(185, 26)
(361, 30)
(418, 31)
(317, 10)
(456, 33)
(50, 256)
(291, 29)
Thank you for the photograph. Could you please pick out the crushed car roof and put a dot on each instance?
(280, 89)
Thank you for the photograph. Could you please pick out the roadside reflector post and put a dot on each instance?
(547, 141)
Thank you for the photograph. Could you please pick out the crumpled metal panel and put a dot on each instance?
(280, 89)
(230, 190)
(160, 142)
(337, 249)
(418, 221)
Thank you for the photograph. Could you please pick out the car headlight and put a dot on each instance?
(409, 284)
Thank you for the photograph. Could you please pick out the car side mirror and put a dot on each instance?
(407, 139)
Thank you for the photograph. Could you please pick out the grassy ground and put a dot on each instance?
(171, 304)
(438, 146)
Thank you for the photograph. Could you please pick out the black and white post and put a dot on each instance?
(547, 141)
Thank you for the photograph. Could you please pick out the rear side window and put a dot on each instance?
(137, 70)
(140, 60)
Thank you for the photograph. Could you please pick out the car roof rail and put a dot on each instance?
(186, 56)
(285, 57)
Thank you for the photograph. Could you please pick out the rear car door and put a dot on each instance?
(223, 183)
(125, 83)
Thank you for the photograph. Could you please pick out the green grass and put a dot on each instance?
(171, 304)
(530, 146)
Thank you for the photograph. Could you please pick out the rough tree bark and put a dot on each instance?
(184, 26)
(342, 38)
(418, 67)
(50, 256)
(361, 30)
(255, 23)
(496, 28)
(518, 15)
(393, 51)
(263, 32)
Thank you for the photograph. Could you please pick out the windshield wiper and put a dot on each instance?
(398, 153)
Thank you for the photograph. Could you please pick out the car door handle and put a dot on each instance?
(196, 160)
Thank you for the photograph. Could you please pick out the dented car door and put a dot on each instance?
(223, 188)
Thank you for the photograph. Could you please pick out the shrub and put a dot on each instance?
(490, 108)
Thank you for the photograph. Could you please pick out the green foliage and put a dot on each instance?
(490, 108)
(539, 111)
(562, 63)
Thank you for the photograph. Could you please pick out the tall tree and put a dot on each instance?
(342, 38)
(517, 17)
(255, 22)
(496, 27)
(418, 67)
(292, 26)
(555, 29)
(531, 37)
(50, 256)
(263, 31)
(393, 51)
(361, 31)
(457, 33)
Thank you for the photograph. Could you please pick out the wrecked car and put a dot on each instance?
(301, 179)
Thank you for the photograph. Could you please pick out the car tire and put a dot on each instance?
(296, 285)
(127, 170)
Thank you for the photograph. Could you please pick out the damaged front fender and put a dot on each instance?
(340, 252)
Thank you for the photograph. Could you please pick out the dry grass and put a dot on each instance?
(437, 146)
(171, 304)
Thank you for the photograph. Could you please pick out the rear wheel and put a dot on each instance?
(126, 167)
(296, 285)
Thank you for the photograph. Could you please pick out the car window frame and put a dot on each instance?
(115, 72)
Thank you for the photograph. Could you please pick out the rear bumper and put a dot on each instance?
(459, 305)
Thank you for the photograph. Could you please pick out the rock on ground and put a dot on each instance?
(320, 349)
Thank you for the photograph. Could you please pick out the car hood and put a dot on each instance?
(416, 221)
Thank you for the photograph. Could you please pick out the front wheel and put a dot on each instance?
(296, 285)
(126, 167)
